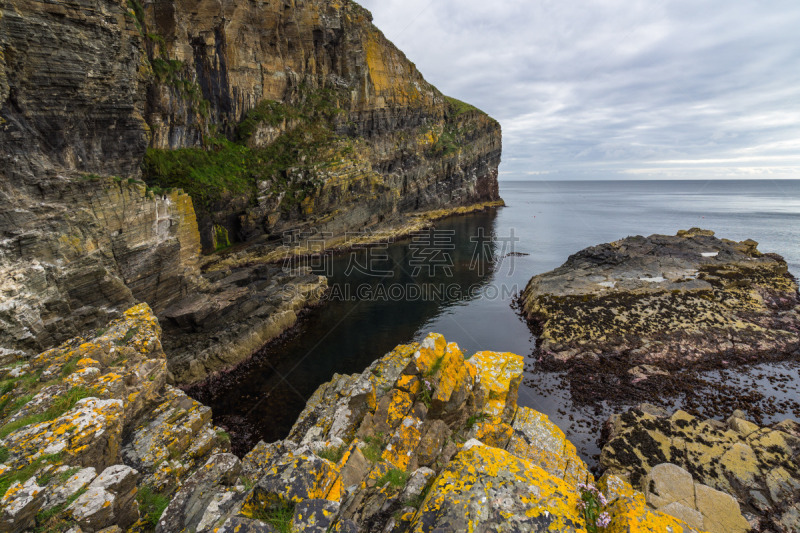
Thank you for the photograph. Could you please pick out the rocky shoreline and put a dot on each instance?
(422, 439)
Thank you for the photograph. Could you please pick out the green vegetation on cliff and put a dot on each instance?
(305, 141)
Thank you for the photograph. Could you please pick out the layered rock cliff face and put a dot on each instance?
(75, 247)
(334, 127)
(270, 116)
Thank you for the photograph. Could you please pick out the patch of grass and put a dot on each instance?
(61, 405)
(25, 473)
(66, 474)
(395, 477)
(475, 419)
(70, 366)
(223, 436)
(268, 111)
(4, 453)
(45, 478)
(435, 367)
(127, 337)
(151, 504)
(374, 448)
(280, 517)
(458, 108)
(333, 454)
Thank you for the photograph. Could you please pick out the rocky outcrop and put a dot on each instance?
(687, 467)
(90, 428)
(667, 301)
(233, 313)
(92, 436)
(271, 116)
(332, 127)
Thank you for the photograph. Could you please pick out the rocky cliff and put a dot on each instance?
(268, 116)
(425, 439)
(315, 119)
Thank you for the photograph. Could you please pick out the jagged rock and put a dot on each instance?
(100, 420)
(189, 505)
(672, 300)
(485, 488)
(314, 516)
(20, 504)
(543, 443)
(755, 465)
(121, 481)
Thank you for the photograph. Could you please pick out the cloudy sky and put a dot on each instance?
(618, 89)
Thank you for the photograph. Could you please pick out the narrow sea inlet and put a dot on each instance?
(461, 279)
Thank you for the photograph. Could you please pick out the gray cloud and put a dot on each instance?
(618, 88)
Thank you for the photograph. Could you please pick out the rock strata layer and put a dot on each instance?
(249, 120)
(92, 437)
(667, 301)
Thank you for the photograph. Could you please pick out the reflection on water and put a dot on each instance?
(369, 312)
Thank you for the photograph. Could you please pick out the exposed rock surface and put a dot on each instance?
(756, 465)
(236, 312)
(262, 72)
(666, 300)
(87, 85)
(423, 440)
(91, 427)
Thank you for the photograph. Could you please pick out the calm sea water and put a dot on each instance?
(490, 255)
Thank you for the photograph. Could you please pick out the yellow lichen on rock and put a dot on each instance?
(498, 376)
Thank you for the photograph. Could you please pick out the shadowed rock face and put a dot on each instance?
(671, 300)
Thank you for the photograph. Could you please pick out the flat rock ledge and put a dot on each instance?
(94, 439)
(666, 300)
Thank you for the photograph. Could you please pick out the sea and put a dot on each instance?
(461, 279)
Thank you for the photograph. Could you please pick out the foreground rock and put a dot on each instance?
(423, 440)
(91, 434)
(683, 463)
(668, 301)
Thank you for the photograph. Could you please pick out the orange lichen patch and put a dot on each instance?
(537, 439)
(493, 433)
(431, 349)
(88, 362)
(404, 441)
(453, 374)
(409, 384)
(615, 487)
(479, 474)
(390, 365)
(631, 515)
(399, 406)
(498, 378)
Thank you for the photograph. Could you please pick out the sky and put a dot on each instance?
(618, 89)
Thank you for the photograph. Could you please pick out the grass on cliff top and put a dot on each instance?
(458, 108)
